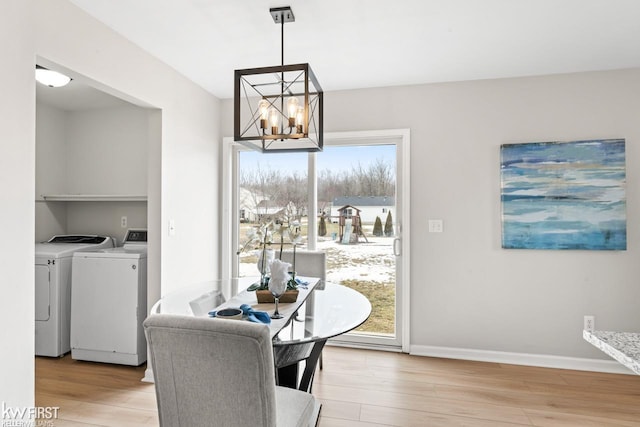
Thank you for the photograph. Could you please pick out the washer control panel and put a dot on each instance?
(136, 236)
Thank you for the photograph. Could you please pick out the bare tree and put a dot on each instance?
(330, 186)
(377, 179)
(382, 178)
(265, 186)
(294, 190)
(272, 188)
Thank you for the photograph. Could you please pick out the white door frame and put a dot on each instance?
(402, 137)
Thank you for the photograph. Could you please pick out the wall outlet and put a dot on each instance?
(436, 226)
(123, 222)
(589, 323)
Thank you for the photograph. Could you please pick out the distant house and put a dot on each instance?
(247, 204)
(324, 207)
(370, 207)
(269, 209)
(254, 207)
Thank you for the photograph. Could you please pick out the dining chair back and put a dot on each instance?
(204, 303)
(311, 264)
(308, 263)
(215, 372)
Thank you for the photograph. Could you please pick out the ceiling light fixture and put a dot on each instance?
(51, 78)
(279, 108)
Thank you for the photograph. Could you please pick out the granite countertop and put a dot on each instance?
(622, 346)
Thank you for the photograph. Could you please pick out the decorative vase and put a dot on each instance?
(263, 267)
(265, 296)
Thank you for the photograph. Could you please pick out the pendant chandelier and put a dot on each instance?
(278, 108)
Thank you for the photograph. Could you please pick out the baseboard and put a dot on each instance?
(148, 376)
(541, 360)
(363, 346)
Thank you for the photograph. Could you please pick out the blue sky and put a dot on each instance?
(335, 158)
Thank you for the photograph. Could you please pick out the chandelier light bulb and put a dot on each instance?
(263, 108)
(300, 120)
(292, 108)
(274, 117)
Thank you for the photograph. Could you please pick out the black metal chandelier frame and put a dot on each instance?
(272, 86)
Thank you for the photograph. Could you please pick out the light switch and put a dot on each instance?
(435, 226)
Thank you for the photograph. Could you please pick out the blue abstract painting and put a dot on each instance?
(564, 195)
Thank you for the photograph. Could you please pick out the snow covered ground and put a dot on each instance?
(372, 261)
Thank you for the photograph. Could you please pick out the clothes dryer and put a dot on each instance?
(109, 303)
(53, 260)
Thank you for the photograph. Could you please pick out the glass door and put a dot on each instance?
(271, 188)
(357, 208)
(348, 200)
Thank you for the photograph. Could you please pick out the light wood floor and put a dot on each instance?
(373, 388)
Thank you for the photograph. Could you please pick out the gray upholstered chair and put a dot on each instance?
(214, 372)
(308, 263)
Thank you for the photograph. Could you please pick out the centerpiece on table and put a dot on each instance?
(261, 238)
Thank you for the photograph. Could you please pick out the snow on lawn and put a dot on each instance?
(372, 261)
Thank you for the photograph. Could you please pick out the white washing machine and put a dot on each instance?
(53, 289)
(109, 303)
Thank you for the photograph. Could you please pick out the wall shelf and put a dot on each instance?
(94, 198)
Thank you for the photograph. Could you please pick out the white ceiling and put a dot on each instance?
(372, 43)
(76, 96)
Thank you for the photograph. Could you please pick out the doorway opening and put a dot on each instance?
(97, 165)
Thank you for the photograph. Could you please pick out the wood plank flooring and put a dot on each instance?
(373, 388)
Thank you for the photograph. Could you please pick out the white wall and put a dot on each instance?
(104, 218)
(51, 166)
(183, 160)
(17, 175)
(467, 292)
(97, 151)
(51, 150)
(106, 151)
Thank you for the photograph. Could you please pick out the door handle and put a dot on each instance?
(396, 248)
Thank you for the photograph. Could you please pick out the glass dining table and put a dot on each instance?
(322, 311)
